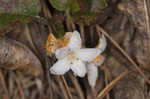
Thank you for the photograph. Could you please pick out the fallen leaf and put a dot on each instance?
(53, 43)
(16, 56)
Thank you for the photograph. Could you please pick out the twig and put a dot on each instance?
(3, 84)
(19, 86)
(147, 17)
(123, 52)
(106, 81)
(77, 86)
(68, 21)
(111, 85)
(82, 33)
(147, 20)
(11, 84)
(72, 23)
(92, 34)
(48, 78)
(67, 87)
(62, 88)
(45, 9)
(33, 94)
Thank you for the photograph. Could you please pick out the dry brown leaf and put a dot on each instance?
(53, 43)
(16, 56)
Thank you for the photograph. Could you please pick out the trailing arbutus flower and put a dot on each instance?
(92, 67)
(73, 57)
(70, 55)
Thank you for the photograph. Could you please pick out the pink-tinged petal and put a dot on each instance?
(75, 41)
(60, 67)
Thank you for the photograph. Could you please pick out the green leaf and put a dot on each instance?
(63, 5)
(25, 7)
(6, 19)
(60, 5)
(98, 5)
(17, 10)
(103, 3)
(73, 6)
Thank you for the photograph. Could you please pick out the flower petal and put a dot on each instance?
(103, 43)
(60, 67)
(78, 67)
(92, 74)
(75, 41)
(87, 54)
(101, 61)
(62, 52)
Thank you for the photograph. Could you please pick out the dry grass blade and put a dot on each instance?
(67, 87)
(92, 34)
(111, 85)
(147, 17)
(62, 88)
(106, 81)
(146, 4)
(123, 52)
(82, 33)
(77, 86)
(19, 86)
(68, 21)
(45, 9)
(33, 95)
(4, 84)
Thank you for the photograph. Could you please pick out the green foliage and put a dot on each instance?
(18, 10)
(84, 18)
(60, 5)
(60, 30)
(6, 19)
(103, 3)
(63, 5)
(89, 3)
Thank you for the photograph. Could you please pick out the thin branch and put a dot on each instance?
(99, 29)
(67, 87)
(92, 34)
(147, 17)
(19, 86)
(106, 81)
(77, 86)
(68, 21)
(111, 85)
(45, 9)
(3, 84)
(62, 88)
(147, 21)
(33, 94)
(82, 33)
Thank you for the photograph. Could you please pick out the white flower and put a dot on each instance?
(102, 43)
(92, 67)
(92, 74)
(73, 57)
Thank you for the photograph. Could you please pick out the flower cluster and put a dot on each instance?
(79, 60)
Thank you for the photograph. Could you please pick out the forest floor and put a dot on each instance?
(125, 73)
